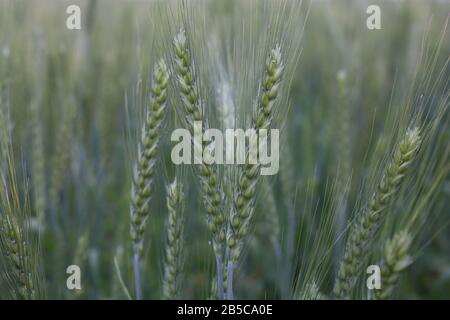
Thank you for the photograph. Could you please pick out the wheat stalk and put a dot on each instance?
(174, 241)
(395, 260)
(369, 220)
(143, 174)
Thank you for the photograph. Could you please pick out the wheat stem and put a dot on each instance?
(137, 274)
(230, 271)
(119, 277)
(220, 280)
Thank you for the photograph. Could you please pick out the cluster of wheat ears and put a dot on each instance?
(318, 248)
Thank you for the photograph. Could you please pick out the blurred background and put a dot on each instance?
(69, 95)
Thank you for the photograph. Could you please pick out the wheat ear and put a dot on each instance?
(143, 174)
(16, 253)
(244, 203)
(369, 220)
(174, 242)
(395, 260)
(210, 186)
(18, 269)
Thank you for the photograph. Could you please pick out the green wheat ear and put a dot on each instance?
(211, 188)
(395, 260)
(249, 174)
(143, 174)
(147, 153)
(245, 197)
(174, 242)
(17, 250)
(370, 218)
(17, 255)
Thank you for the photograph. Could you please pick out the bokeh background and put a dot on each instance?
(72, 98)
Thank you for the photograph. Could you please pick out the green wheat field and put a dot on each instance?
(92, 205)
